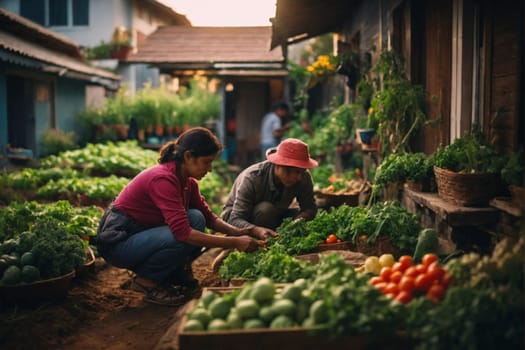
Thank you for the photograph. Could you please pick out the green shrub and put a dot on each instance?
(54, 141)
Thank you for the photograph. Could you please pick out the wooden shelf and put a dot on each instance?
(506, 205)
(454, 215)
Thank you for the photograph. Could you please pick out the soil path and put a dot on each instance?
(97, 314)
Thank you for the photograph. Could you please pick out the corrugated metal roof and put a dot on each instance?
(22, 27)
(27, 43)
(21, 47)
(207, 45)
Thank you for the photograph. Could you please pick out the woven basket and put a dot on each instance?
(382, 245)
(467, 190)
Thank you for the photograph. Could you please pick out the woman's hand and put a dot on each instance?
(246, 243)
(262, 233)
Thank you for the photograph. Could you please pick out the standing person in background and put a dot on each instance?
(262, 193)
(272, 126)
(155, 227)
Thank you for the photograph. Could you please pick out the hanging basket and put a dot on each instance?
(467, 190)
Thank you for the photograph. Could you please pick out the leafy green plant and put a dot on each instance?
(401, 167)
(337, 127)
(54, 141)
(121, 158)
(512, 171)
(398, 105)
(469, 154)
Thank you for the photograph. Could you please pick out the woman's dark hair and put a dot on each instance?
(201, 142)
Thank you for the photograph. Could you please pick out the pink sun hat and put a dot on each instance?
(292, 152)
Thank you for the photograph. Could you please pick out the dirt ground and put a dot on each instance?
(97, 314)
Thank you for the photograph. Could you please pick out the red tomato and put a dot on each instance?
(403, 297)
(420, 268)
(407, 284)
(411, 271)
(392, 288)
(422, 282)
(396, 276)
(381, 286)
(429, 259)
(385, 273)
(332, 238)
(435, 271)
(406, 261)
(436, 291)
(398, 267)
(375, 280)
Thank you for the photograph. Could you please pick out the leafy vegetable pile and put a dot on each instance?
(350, 224)
(80, 189)
(19, 217)
(300, 236)
(273, 263)
(481, 308)
(41, 241)
(124, 158)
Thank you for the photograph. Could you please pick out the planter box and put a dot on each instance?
(293, 338)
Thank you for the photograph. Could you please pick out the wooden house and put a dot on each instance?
(467, 54)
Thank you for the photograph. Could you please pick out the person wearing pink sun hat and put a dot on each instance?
(261, 195)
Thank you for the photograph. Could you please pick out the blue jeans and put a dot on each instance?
(155, 253)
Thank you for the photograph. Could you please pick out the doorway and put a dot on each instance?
(21, 113)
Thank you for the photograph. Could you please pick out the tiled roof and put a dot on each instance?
(177, 44)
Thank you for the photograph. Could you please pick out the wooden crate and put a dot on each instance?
(293, 338)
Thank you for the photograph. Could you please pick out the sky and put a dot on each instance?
(225, 12)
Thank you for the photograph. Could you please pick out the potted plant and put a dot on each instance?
(512, 174)
(350, 65)
(468, 170)
(411, 170)
(117, 113)
(322, 69)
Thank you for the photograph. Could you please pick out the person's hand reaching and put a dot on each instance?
(246, 244)
(262, 233)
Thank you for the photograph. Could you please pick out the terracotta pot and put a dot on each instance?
(121, 129)
(141, 135)
(159, 130)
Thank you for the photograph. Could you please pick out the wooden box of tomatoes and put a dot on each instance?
(332, 243)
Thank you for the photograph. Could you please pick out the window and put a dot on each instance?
(59, 13)
(80, 12)
(34, 10)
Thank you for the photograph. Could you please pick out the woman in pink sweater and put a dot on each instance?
(155, 227)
